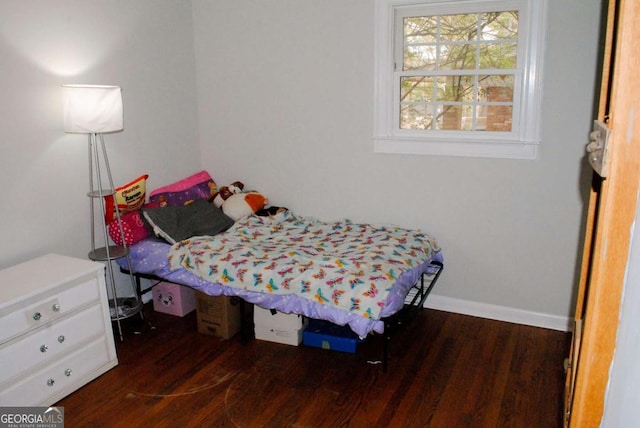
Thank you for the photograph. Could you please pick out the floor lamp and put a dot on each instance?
(95, 110)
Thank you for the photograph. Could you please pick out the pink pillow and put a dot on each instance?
(196, 186)
(133, 227)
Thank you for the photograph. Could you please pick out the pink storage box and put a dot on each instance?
(173, 299)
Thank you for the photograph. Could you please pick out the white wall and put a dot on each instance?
(144, 46)
(285, 91)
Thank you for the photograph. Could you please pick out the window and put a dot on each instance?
(459, 77)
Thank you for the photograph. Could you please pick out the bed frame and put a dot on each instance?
(414, 303)
(404, 316)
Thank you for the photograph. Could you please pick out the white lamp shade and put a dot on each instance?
(92, 108)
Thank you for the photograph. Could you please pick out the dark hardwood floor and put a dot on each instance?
(446, 370)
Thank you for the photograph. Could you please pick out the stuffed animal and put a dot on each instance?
(223, 193)
(241, 205)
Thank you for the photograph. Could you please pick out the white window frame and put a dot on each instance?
(522, 143)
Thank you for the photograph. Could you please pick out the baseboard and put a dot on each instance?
(500, 313)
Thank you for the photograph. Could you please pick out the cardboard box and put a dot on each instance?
(278, 327)
(173, 299)
(325, 335)
(279, 335)
(272, 318)
(218, 315)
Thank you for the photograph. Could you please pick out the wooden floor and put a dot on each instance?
(446, 370)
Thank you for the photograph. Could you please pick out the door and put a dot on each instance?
(610, 216)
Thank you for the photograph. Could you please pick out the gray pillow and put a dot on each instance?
(178, 223)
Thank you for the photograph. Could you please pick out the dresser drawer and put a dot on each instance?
(48, 385)
(39, 313)
(47, 344)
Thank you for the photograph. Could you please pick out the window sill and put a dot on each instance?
(484, 149)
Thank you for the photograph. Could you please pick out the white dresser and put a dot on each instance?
(55, 329)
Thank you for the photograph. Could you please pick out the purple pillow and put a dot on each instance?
(185, 191)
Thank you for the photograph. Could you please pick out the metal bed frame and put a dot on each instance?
(405, 315)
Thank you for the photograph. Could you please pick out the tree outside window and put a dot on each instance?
(458, 71)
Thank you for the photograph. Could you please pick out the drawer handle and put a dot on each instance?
(56, 307)
(50, 382)
(37, 316)
(61, 338)
(68, 372)
(43, 348)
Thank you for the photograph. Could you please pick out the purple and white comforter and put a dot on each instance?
(343, 272)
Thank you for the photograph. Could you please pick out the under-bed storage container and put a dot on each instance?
(218, 315)
(173, 299)
(325, 335)
(274, 326)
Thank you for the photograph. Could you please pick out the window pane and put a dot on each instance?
(499, 118)
(496, 88)
(416, 89)
(499, 26)
(456, 88)
(419, 57)
(467, 119)
(457, 57)
(458, 28)
(420, 29)
(481, 118)
(449, 118)
(501, 56)
(414, 116)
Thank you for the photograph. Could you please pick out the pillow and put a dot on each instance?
(133, 227)
(129, 197)
(197, 186)
(175, 224)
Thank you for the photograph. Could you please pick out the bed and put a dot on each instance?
(351, 274)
